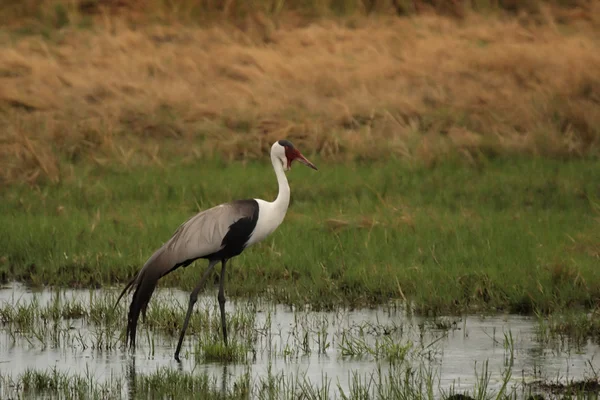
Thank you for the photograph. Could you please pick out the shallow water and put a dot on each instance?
(287, 341)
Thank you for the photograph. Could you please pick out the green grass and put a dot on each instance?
(53, 383)
(384, 349)
(218, 352)
(405, 383)
(513, 234)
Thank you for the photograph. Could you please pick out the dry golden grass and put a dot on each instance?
(420, 88)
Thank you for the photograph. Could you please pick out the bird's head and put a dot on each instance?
(285, 152)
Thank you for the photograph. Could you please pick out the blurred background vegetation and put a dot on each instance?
(139, 82)
(59, 11)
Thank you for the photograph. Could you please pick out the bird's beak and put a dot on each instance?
(304, 161)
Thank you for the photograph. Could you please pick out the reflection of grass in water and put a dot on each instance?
(357, 343)
(55, 383)
(168, 318)
(404, 382)
(571, 328)
(168, 382)
(411, 374)
(52, 323)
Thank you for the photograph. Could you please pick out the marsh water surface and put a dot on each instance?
(335, 348)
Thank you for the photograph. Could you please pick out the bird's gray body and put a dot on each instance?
(218, 233)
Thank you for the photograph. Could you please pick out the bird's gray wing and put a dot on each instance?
(203, 234)
(199, 236)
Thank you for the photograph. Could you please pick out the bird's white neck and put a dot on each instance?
(283, 197)
(271, 214)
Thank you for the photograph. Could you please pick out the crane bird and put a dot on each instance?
(217, 234)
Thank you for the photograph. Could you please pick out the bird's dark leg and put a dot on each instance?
(221, 299)
(193, 299)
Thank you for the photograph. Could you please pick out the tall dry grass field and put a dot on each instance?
(421, 87)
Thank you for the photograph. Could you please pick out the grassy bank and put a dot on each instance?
(515, 234)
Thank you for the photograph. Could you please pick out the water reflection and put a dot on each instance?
(131, 379)
(303, 344)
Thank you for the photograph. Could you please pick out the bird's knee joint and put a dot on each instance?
(193, 299)
(221, 298)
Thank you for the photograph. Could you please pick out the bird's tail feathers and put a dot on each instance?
(143, 285)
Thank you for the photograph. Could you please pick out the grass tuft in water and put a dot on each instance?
(569, 329)
(232, 353)
(54, 383)
(357, 344)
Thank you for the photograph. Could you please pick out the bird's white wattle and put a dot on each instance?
(271, 214)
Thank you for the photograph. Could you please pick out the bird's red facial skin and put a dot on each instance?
(290, 154)
(293, 154)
